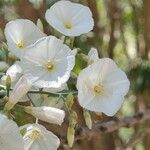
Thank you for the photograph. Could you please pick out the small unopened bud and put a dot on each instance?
(70, 100)
(23, 131)
(40, 25)
(20, 89)
(8, 84)
(70, 136)
(87, 118)
(47, 114)
(73, 119)
(92, 56)
(75, 51)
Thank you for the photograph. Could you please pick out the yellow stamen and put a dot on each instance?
(20, 44)
(68, 25)
(50, 66)
(35, 134)
(98, 89)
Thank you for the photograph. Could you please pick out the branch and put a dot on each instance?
(65, 93)
(113, 125)
(137, 138)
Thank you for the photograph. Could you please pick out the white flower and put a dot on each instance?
(21, 33)
(102, 87)
(92, 56)
(20, 89)
(10, 137)
(48, 63)
(70, 19)
(47, 114)
(38, 138)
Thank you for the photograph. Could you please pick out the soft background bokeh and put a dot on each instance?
(122, 32)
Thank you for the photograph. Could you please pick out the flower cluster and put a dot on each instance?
(45, 63)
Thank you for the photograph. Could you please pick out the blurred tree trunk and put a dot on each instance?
(27, 11)
(96, 41)
(93, 7)
(146, 9)
(114, 15)
(144, 55)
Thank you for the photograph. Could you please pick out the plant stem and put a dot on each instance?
(52, 94)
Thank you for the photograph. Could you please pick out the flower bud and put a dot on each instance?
(88, 119)
(40, 25)
(92, 56)
(8, 82)
(70, 100)
(70, 136)
(73, 119)
(47, 114)
(20, 89)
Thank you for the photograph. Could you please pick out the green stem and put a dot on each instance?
(66, 104)
(72, 39)
(30, 100)
(52, 94)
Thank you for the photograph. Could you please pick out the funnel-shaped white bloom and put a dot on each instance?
(38, 138)
(70, 19)
(47, 114)
(10, 137)
(102, 87)
(48, 62)
(20, 89)
(21, 33)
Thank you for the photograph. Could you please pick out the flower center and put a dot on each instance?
(50, 66)
(98, 89)
(20, 44)
(35, 134)
(68, 25)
